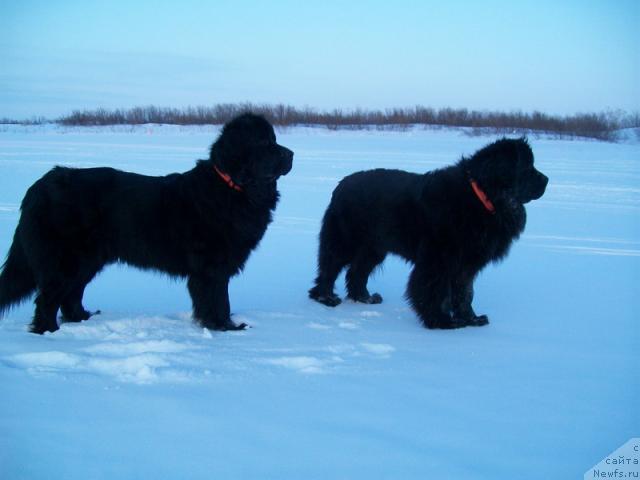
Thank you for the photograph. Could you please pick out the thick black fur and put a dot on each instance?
(191, 225)
(435, 221)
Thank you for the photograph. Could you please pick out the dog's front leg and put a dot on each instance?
(210, 298)
(461, 299)
(429, 294)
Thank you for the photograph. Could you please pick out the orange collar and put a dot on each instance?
(227, 179)
(482, 197)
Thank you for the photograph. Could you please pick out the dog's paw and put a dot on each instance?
(478, 321)
(42, 329)
(442, 321)
(330, 300)
(372, 299)
(242, 326)
(78, 316)
(227, 326)
(375, 298)
(232, 327)
(450, 325)
(474, 321)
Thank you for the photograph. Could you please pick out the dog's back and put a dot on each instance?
(371, 213)
(103, 214)
(374, 208)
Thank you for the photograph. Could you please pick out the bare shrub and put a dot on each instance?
(602, 126)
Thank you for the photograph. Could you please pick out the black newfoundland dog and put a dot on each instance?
(200, 225)
(449, 223)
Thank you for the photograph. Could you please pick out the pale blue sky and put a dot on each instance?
(551, 55)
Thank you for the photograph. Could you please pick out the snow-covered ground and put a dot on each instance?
(548, 389)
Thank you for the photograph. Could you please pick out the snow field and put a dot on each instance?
(547, 389)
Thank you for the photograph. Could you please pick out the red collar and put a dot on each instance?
(227, 179)
(482, 197)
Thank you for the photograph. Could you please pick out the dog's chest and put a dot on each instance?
(503, 232)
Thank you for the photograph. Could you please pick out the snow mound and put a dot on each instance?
(547, 389)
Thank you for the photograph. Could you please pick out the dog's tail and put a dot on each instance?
(16, 280)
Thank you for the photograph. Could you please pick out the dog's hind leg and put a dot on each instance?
(44, 319)
(71, 308)
(329, 267)
(333, 255)
(361, 267)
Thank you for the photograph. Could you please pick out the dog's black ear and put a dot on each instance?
(215, 152)
(224, 156)
(525, 154)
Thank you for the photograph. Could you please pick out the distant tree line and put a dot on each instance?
(602, 126)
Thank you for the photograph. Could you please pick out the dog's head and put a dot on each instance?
(247, 151)
(504, 169)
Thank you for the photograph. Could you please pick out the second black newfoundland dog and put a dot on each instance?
(449, 223)
(200, 225)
